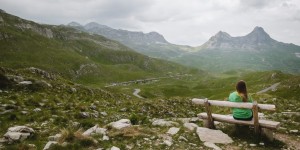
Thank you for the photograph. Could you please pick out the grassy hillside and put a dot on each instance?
(63, 103)
(79, 56)
(281, 57)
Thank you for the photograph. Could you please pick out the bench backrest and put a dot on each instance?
(269, 107)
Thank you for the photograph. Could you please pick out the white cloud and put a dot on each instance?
(189, 22)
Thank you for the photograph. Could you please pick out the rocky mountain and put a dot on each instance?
(255, 40)
(152, 44)
(221, 53)
(77, 55)
(254, 51)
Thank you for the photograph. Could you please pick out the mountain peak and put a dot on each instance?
(222, 35)
(92, 25)
(258, 35)
(74, 24)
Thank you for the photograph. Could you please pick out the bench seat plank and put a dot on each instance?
(229, 119)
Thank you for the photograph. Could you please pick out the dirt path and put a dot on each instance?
(136, 93)
(272, 87)
(288, 140)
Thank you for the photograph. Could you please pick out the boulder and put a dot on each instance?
(18, 133)
(49, 144)
(120, 124)
(95, 130)
(162, 122)
(212, 145)
(55, 137)
(173, 131)
(190, 126)
(114, 148)
(105, 138)
(213, 136)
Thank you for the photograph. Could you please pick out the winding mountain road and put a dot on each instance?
(272, 87)
(136, 93)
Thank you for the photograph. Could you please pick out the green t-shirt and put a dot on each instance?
(240, 112)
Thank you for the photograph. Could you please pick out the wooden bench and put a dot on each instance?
(261, 126)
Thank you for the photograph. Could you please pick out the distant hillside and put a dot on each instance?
(152, 44)
(74, 54)
(255, 51)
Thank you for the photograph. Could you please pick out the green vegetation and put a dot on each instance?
(54, 79)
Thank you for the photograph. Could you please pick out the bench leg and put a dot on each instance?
(208, 124)
(268, 133)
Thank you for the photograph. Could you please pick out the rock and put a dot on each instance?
(95, 114)
(73, 90)
(181, 138)
(31, 146)
(294, 131)
(162, 122)
(212, 145)
(183, 120)
(252, 145)
(84, 114)
(114, 148)
(131, 146)
(120, 124)
(23, 129)
(123, 109)
(103, 113)
(105, 138)
(25, 82)
(168, 143)
(173, 130)
(55, 137)
(16, 136)
(93, 107)
(213, 136)
(75, 124)
(94, 130)
(49, 144)
(190, 126)
(6, 111)
(24, 112)
(18, 133)
(37, 110)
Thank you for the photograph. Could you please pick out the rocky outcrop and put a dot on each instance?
(18, 133)
(40, 30)
(43, 73)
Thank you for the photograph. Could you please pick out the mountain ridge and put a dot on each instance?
(83, 57)
(152, 44)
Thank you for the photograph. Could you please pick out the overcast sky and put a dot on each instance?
(185, 22)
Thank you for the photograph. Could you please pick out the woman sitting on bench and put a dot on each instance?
(241, 96)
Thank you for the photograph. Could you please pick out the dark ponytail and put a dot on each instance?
(242, 90)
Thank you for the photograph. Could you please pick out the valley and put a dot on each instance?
(66, 88)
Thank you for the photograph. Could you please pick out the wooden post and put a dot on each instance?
(255, 117)
(210, 121)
